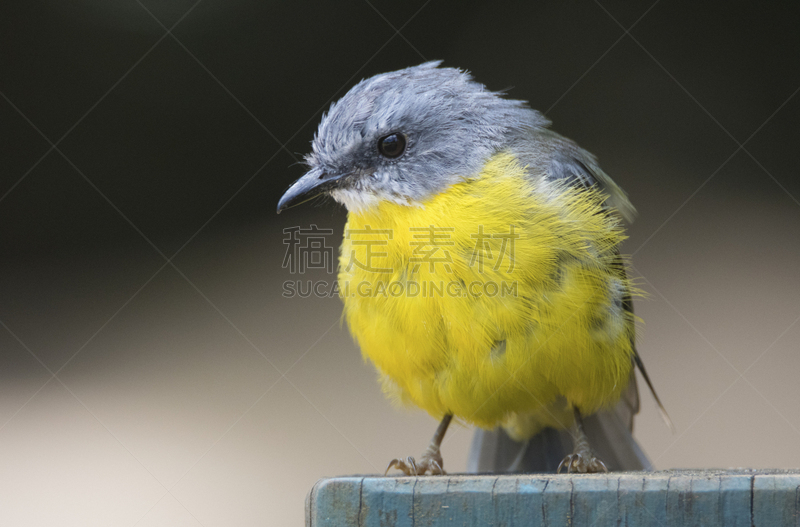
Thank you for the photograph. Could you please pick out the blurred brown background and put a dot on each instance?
(151, 373)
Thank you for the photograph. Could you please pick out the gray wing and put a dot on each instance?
(610, 431)
(556, 158)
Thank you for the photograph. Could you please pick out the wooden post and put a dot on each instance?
(708, 498)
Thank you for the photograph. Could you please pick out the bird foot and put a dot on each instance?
(582, 464)
(430, 462)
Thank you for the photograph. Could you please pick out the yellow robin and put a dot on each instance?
(480, 269)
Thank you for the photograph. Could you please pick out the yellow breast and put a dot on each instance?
(492, 298)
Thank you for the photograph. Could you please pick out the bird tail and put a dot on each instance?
(663, 411)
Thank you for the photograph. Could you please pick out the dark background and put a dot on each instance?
(146, 349)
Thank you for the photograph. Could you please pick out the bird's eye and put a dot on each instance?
(392, 145)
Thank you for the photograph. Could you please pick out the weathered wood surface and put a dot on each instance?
(708, 498)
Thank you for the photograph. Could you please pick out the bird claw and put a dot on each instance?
(430, 462)
(579, 464)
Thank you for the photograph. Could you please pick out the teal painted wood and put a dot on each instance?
(777, 499)
(707, 498)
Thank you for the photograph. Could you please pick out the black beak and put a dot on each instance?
(314, 183)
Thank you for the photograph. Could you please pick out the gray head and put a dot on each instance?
(406, 135)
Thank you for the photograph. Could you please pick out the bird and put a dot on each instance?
(480, 268)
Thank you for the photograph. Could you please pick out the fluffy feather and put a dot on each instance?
(563, 332)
